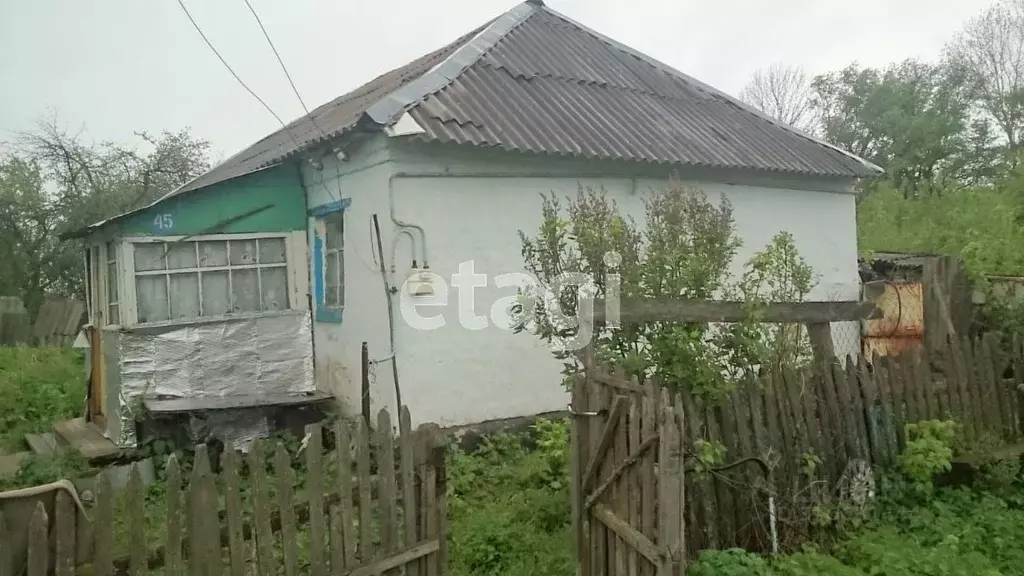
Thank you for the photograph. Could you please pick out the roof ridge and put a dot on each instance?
(388, 109)
(704, 87)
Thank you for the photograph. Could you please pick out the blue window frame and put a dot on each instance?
(329, 260)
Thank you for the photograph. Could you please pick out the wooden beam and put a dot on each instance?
(399, 560)
(680, 310)
(614, 417)
(631, 536)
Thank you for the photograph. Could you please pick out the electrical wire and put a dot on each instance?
(285, 69)
(233, 73)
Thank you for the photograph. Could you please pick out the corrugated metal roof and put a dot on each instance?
(551, 85)
(533, 80)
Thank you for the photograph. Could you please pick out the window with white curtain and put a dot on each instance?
(206, 278)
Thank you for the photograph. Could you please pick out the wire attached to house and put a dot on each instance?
(237, 77)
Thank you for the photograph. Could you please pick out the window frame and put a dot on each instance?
(321, 215)
(293, 258)
(111, 257)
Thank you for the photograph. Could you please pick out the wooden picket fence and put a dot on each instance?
(791, 440)
(384, 513)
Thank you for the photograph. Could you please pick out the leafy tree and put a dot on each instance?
(909, 118)
(53, 181)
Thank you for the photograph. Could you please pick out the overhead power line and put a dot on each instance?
(285, 69)
(232, 71)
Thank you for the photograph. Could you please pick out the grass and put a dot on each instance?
(38, 386)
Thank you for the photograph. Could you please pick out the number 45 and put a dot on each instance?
(163, 222)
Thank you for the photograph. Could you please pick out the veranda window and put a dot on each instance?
(193, 279)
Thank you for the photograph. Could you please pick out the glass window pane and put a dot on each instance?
(216, 299)
(112, 282)
(334, 229)
(151, 292)
(149, 256)
(213, 254)
(331, 271)
(184, 296)
(181, 255)
(243, 252)
(271, 250)
(244, 294)
(331, 298)
(111, 252)
(274, 283)
(115, 315)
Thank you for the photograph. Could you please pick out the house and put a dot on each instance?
(261, 280)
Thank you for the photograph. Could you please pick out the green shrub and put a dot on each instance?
(36, 470)
(731, 562)
(509, 507)
(38, 386)
(929, 451)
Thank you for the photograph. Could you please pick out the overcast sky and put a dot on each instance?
(115, 66)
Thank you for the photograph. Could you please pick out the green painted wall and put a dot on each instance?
(194, 212)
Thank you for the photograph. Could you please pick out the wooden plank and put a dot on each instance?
(66, 517)
(38, 543)
(883, 395)
(726, 518)
(620, 487)
(956, 408)
(103, 520)
(579, 445)
(759, 440)
(899, 409)
(915, 374)
(607, 436)
(264, 538)
(820, 335)
(683, 310)
(728, 420)
(833, 419)
(136, 523)
(173, 561)
(397, 560)
(387, 489)
(632, 484)
(428, 498)
(744, 449)
(648, 480)
(786, 428)
(337, 541)
(342, 446)
(314, 494)
(173, 405)
(285, 497)
(405, 450)
(847, 412)
(362, 442)
(203, 496)
(599, 425)
(993, 376)
(638, 541)
(867, 390)
(971, 385)
(6, 567)
(233, 508)
(857, 407)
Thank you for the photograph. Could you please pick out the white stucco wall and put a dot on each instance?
(337, 346)
(472, 205)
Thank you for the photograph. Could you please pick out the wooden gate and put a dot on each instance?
(627, 478)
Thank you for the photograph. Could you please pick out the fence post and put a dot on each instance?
(670, 488)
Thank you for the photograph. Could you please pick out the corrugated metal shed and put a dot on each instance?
(533, 80)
